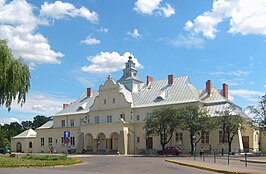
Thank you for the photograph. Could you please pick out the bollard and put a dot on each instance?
(214, 155)
(228, 158)
(246, 162)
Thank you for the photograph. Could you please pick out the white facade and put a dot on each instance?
(111, 120)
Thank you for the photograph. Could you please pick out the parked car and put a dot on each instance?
(169, 151)
(5, 150)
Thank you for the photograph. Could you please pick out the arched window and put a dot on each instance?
(30, 145)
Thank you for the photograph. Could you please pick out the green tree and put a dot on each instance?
(39, 120)
(230, 122)
(12, 129)
(196, 121)
(14, 77)
(27, 124)
(260, 111)
(163, 123)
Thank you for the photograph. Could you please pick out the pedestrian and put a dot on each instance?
(210, 149)
(201, 151)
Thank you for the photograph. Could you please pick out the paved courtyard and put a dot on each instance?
(113, 164)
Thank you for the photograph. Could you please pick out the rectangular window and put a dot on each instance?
(42, 141)
(113, 100)
(179, 138)
(109, 118)
(205, 138)
(149, 115)
(81, 121)
(138, 139)
(97, 121)
(137, 117)
(62, 141)
(72, 122)
(63, 123)
(50, 141)
(221, 137)
(72, 141)
(104, 101)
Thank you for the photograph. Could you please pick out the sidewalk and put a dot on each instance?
(236, 164)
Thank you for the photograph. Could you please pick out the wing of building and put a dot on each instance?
(111, 119)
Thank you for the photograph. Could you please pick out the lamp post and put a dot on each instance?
(194, 146)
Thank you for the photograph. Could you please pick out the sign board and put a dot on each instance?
(66, 137)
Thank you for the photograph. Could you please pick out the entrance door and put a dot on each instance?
(18, 147)
(149, 143)
(245, 140)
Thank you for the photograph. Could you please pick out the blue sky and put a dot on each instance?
(72, 45)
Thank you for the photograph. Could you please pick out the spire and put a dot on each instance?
(130, 77)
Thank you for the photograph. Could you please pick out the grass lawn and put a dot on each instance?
(37, 161)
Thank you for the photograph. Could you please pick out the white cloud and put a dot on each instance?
(103, 30)
(148, 7)
(58, 10)
(41, 103)
(107, 62)
(264, 86)
(245, 16)
(8, 120)
(135, 34)
(168, 10)
(91, 41)
(20, 31)
(237, 73)
(249, 95)
(188, 42)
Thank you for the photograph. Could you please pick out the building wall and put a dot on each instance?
(25, 144)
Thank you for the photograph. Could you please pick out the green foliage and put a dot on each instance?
(27, 124)
(14, 77)
(39, 120)
(163, 123)
(45, 157)
(230, 122)
(260, 111)
(197, 121)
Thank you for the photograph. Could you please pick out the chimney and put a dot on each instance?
(170, 79)
(209, 87)
(149, 79)
(65, 106)
(225, 90)
(89, 92)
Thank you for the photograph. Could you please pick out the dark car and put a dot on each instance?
(169, 151)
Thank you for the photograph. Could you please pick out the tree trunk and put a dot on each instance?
(191, 144)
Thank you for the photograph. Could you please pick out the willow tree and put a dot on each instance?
(163, 122)
(196, 121)
(231, 123)
(14, 78)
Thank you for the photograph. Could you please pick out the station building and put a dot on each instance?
(111, 120)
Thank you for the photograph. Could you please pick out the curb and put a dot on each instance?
(207, 168)
(253, 161)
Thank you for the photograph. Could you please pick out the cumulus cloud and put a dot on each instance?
(58, 10)
(264, 86)
(41, 103)
(148, 7)
(107, 62)
(245, 16)
(249, 95)
(7, 120)
(135, 34)
(91, 41)
(21, 33)
(188, 42)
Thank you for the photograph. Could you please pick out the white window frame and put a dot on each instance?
(109, 118)
(97, 120)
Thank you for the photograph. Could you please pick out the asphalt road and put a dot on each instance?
(112, 164)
